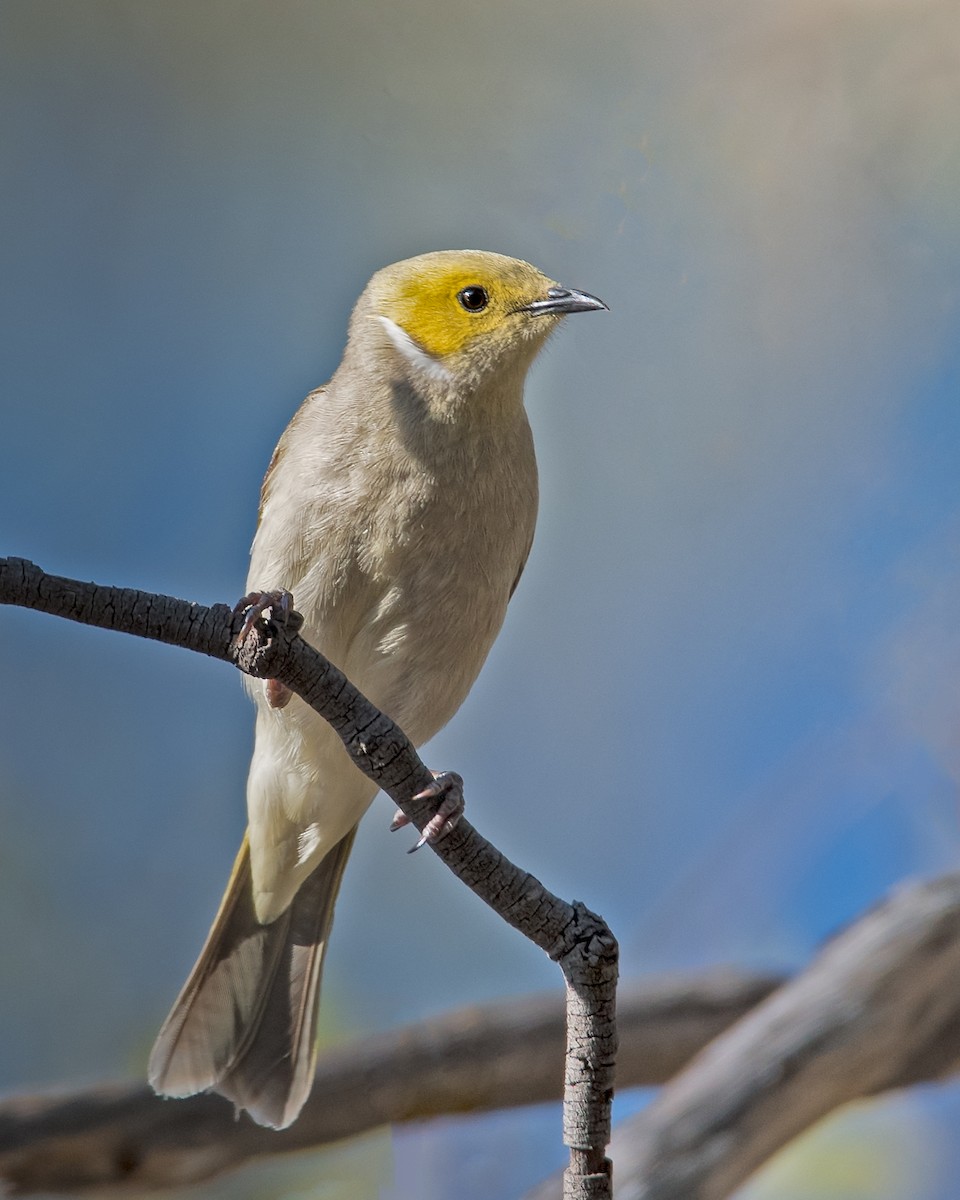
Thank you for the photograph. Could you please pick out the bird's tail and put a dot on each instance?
(244, 1024)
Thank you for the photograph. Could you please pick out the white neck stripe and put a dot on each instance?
(414, 354)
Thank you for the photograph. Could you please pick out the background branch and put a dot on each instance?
(472, 1060)
(877, 1009)
(578, 940)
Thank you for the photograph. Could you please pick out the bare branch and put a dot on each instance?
(878, 1009)
(575, 938)
(472, 1060)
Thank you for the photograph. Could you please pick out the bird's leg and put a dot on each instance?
(268, 606)
(278, 694)
(448, 787)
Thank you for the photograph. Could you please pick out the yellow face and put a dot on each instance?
(446, 301)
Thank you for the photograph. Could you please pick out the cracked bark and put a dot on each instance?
(578, 940)
(877, 1009)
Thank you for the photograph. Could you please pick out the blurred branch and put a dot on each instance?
(878, 1009)
(576, 939)
(472, 1060)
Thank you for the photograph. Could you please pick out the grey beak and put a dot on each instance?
(562, 300)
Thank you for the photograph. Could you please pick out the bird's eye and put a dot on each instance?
(473, 298)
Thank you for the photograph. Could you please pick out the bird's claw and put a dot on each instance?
(400, 819)
(272, 608)
(267, 606)
(448, 787)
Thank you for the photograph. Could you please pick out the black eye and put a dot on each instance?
(473, 298)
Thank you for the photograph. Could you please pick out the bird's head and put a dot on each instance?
(456, 319)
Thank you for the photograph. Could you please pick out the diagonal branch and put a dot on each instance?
(477, 1059)
(578, 940)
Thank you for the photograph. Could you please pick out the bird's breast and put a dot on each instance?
(401, 562)
(444, 565)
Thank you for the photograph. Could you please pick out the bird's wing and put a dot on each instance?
(280, 450)
(523, 563)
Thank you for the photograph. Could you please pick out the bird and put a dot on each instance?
(397, 511)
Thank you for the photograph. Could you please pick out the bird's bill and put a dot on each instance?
(561, 300)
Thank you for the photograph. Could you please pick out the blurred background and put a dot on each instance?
(724, 710)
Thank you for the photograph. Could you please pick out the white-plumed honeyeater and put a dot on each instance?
(398, 509)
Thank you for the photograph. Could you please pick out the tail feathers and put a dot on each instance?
(245, 1023)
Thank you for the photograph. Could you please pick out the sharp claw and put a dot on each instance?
(449, 786)
(257, 604)
(247, 627)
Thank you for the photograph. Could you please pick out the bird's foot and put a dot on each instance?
(267, 606)
(271, 608)
(448, 787)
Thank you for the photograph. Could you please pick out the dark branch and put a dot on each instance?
(878, 1009)
(575, 938)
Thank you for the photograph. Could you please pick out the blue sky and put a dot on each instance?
(723, 710)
